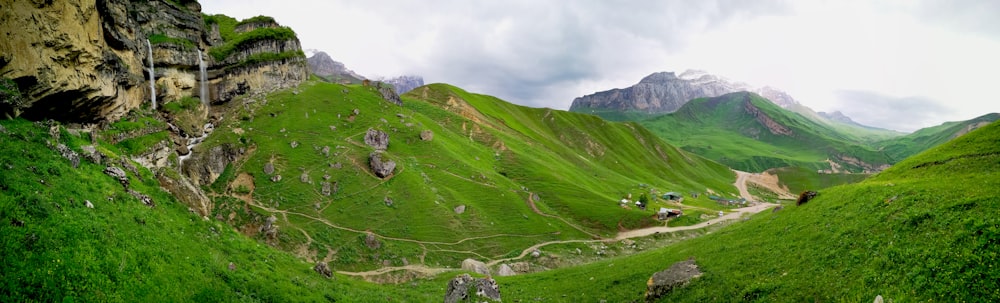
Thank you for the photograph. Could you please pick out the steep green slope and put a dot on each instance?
(923, 139)
(462, 194)
(54, 248)
(920, 231)
(750, 133)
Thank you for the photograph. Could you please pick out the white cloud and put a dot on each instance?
(542, 53)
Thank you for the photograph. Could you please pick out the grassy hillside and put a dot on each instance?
(923, 139)
(55, 248)
(733, 129)
(920, 231)
(486, 156)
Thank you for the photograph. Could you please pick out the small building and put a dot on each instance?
(666, 213)
(671, 196)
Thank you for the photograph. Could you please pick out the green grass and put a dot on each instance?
(161, 38)
(923, 139)
(799, 179)
(484, 154)
(184, 104)
(919, 231)
(724, 130)
(238, 41)
(56, 249)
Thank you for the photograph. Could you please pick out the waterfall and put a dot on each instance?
(152, 77)
(203, 93)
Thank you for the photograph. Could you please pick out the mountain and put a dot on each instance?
(322, 65)
(919, 231)
(661, 92)
(89, 62)
(468, 168)
(923, 139)
(747, 132)
(403, 84)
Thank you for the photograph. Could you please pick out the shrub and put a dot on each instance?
(11, 101)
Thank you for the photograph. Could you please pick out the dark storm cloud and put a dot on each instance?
(897, 113)
(527, 51)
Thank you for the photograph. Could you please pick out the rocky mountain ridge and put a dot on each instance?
(403, 84)
(321, 64)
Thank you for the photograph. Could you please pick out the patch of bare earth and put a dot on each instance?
(770, 182)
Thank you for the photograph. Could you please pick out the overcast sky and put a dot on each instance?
(900, 65)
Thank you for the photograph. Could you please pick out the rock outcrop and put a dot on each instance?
(475, 266)
(377, 139)
(465, 288)
(678, 275)
(381, 168)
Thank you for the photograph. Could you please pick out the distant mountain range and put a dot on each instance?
(759, 128)
(322, 65)
(403, 84)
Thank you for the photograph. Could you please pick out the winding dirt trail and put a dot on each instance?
(531, 202)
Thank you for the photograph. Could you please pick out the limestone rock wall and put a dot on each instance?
(86, 61)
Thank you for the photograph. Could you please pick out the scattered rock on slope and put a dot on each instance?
(427, 135)
(678, 275)
(323, 269)
(269, 168)
(118, 174)
(463, 287)
(381, 168)
(505, 270)
(475, 266)
(377, 139)
(372, 242)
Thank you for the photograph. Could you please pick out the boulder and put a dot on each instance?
(475, 266)
(269, 168)
(521, 267)
(388, 201)
(460, 209)
(269, 228)
(304, 177)
(505, 270)
(88, 204)
(276, 178)
(536, 253)
(326, 151)
(463, 287)
(371, 241)
(381, 168)
(118, 174)
(377, 139)
(323, 269)
(427, 135)
(327, 189)
(678, 275)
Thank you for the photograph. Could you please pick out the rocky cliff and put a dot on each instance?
(403, 84)
(322, 65)
(88, 61)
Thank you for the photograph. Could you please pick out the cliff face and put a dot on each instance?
(87, 61)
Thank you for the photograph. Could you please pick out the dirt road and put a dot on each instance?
(735, 214)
